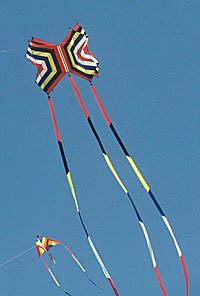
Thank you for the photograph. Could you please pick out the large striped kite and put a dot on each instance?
(43, 244)
(53, 63)
(73, 56)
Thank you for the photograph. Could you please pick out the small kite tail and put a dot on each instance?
(55, 280)
(82, 268)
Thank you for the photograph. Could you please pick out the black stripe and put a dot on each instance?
(63, 157)
(79, 72)
(83, 224)
(119, 140)
(96, 135)
(156, 203)
(136, 211)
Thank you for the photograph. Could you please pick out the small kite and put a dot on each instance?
(73, 56)
(43, 244)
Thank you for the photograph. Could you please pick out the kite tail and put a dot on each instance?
(143, 182)
(118, 180)
(149, 246)
(83, 269)
(74, 195)
(55, 280)
(102, 266)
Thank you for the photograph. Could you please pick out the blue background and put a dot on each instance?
(149, 85)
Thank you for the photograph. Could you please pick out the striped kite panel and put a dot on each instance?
(46, 58)
(75, 50)
(44, 244)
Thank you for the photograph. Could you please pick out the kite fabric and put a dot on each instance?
(73, 56)
(43, 244)
(53, 62)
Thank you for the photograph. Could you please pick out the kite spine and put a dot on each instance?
(143, 182)
(74, 195)
(120, 183)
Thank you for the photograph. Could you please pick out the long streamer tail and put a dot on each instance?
(55, 280)
(143, 182)
(75, 199)
(105, 155)
(82, 268)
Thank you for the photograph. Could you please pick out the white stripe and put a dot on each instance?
(148, 244)
(98, 258)
(44, 67)
(41, 245)
(86, 63)
(87, 55)
(62, 59)
(172, 234)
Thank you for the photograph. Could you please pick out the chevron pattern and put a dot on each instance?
(45, 56)
(80, 60)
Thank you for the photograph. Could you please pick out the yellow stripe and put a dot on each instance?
(53, 277)
(72, 190)
(114, 172)
(140, 177)
(54, 70)
(72, 59)
(78, 263)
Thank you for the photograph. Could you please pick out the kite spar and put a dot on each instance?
(52, 66)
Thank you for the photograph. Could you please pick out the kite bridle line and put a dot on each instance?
(143, 182)
(75, 199)
(105, 155)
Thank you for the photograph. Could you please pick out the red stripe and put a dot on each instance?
(68, 250)
(100, 105)
(159, 280)
(42, 42)
(185, 274)
(78, 96)
(54, 120)
(113, 286)
(45, 265)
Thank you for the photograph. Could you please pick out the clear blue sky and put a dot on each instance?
(149, 84)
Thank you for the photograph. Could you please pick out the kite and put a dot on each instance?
(52, 66)
(43, 244)
(73, 56)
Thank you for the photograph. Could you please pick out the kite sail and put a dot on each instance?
(43, 244)
(73, 56)
(53, 62)
(52, 66)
